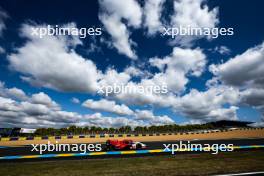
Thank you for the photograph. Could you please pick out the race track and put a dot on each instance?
(23, 153)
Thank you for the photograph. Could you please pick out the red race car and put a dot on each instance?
(124, 145)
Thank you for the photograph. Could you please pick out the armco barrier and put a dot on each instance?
(22, 138)
(44, 137)
(5, 139)
(14, 138)
(64, 137)
(30, 138)
(70, 137)
(57, 137)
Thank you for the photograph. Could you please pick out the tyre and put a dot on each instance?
(138, 146)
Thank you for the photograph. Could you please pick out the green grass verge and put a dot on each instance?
(184, 164)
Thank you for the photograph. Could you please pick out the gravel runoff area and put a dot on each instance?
(252, 133)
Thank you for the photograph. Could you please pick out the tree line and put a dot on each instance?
(75, 130)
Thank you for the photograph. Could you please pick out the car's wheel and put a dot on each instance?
(109, 148)
(138, 146)
(106, 148)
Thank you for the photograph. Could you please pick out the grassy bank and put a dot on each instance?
(190, 164)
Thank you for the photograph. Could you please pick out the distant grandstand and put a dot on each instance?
(229, 124)
(9, 132)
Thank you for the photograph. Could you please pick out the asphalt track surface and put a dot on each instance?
(6, 151)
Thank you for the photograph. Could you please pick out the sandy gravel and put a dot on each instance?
(256, 133)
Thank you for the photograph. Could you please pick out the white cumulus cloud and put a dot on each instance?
(112, 14)
(108, 106)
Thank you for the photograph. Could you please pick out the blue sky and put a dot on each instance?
(54, 81)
